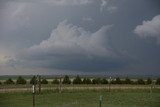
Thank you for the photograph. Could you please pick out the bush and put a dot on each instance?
(118, 81)
(44, 81)
(33, 80)
(140, 81)
(127, 81)
(0, 82)
(104, 81)
(96, 81)
(158, 81)
(55, 81)
(66, 80)
(9, 81)
(77, 80)
(149, 81)
(87, 81)
(21, 80)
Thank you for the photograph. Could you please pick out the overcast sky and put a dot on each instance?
(119, 37)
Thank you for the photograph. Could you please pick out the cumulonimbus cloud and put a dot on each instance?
(149, 29)
(71, 47)
(68, 39)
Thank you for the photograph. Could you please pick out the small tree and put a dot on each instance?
(96, 81)
(87, 81)
(104, 81)
(158, 81)
(44, 81)
(77, 80)
(9, 81)
(21, 80)
(55, 81)
(33, 80)
(66, 80)
(118, 81)
(127, 81)
(149, 81)
(140, 81)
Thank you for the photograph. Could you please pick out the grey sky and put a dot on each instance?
(80, 37)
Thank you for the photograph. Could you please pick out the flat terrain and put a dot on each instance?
(84, 98)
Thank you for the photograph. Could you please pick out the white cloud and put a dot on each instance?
(103, 4)
(87, 19)
(70, 2)
(69, 40)
(63, 2)
(149, 29)
(106, 5)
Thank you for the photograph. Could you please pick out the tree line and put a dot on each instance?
(79, 80)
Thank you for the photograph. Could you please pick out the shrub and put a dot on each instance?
(96, 81)
(149, 81)
(127, 81)
(21, 80)
(9, 81)
(104, 81)
(44, 81)
(66, 80)
(55, 81)
(158, 81)
(77, 80)
(87, 81)
(118, 81)
(33, 80)
(0, 82)
(140, 81)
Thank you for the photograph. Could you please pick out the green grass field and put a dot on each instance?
(119, 98)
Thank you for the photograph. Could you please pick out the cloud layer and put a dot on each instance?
(149, 29)
(68, 39)
(70, 47)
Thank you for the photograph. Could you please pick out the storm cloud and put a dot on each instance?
(79, 37)
(150, 29)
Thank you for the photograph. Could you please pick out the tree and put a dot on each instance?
(55, 81)
(158, 81)
(66, 80)
(87, 81)
(21, 80)
(118, 81)
(44, 81)
(127, 81)
(96, 81)
(33, 80)
(104, 81)
(149, 81)
(140, 81)
(0, 82)
(9, 81)
(77, 80)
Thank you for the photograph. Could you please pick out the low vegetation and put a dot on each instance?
(78, 80)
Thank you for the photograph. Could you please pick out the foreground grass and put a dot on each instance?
(127, 98)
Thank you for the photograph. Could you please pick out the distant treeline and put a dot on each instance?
(78, 80)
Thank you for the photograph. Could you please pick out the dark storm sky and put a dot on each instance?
(80, 37)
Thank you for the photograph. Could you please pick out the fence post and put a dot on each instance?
(60, 84)
(33, 92)
(39, 83)
(100, 101)
(110, 79)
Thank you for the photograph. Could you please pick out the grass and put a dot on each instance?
(116, 98)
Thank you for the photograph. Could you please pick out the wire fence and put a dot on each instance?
(80, 95)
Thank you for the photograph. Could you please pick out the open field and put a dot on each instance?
(119, 98)
(80, 95)
(71, 87)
